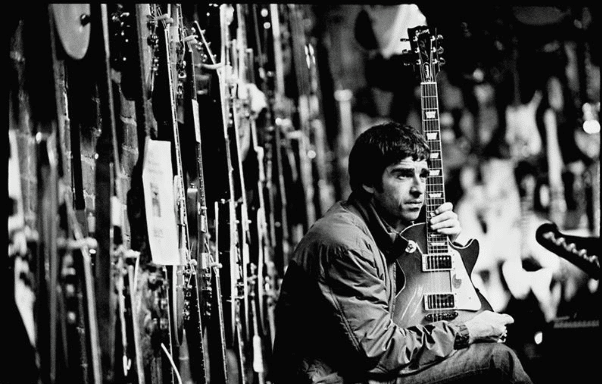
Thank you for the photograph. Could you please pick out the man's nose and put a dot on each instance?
(416, 191)
(418, 186)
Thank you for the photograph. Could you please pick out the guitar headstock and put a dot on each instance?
(203, 59)
(425, 52)
(208, 57)
(581, 251)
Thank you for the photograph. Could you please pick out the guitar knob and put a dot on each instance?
(85, 19)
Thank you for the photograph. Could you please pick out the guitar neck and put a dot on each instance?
(435, 186)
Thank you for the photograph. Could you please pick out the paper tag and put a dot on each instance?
(159, 203)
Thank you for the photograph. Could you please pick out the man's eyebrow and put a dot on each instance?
(408, 168)
(402, 167)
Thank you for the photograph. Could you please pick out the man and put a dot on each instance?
(334, 319)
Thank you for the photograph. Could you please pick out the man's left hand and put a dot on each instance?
(445, 221)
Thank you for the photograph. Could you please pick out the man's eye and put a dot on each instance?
(424, 174)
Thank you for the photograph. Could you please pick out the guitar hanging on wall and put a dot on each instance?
(437, 272)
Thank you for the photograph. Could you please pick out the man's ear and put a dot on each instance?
(368, 189)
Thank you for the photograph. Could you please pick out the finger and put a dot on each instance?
(452, 231)
(447, 206)
(507, 318)
(447, 217)
(448, 227)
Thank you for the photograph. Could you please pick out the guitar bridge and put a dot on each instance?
(432, 263)
(449, 316)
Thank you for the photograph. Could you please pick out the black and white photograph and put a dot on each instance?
(303, 193)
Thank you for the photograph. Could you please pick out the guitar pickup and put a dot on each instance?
(438, 301)
(436, 263)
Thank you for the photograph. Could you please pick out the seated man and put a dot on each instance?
(334, 316)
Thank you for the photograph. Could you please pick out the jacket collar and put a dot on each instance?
(389, 241)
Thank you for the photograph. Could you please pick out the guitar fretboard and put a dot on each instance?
(435, 192)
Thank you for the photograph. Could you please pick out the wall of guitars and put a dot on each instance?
(165, 159)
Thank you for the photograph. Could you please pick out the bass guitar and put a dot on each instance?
(437, 273)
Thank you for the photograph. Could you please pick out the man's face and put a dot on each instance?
(402, 194)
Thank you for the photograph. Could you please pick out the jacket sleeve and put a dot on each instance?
(354, 287)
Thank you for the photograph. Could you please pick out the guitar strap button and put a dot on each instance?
(411, 248)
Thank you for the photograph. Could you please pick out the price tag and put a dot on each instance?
(159, 203)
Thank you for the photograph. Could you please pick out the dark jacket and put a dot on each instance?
(333, 316)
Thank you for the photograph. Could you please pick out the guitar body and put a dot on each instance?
(522, 133)
(410, 302)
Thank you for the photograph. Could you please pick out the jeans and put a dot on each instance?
(480, 363)
(490, 363)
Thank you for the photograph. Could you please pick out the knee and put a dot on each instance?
(506, 363)
(502, 356)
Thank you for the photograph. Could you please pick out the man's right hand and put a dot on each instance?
(488, 326)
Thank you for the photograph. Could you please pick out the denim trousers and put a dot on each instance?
(484, 363)
(480, 363)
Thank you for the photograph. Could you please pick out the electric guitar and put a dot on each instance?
(579, 250)
(437, 273)
(522, 133)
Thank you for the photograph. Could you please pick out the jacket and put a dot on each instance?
(334, 312)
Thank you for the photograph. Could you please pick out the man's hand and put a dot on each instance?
(445, 221)
(488, 326)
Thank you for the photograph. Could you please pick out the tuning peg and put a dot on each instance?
(440, 50)
(189, 38)
(441, 61)
(153, 40)
(166, 18)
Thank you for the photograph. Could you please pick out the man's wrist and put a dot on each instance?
(462, 339)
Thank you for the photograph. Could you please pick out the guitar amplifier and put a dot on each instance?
(573, 349)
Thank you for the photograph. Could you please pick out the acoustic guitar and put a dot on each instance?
(437, 272)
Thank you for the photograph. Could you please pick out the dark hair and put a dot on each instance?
(380, 146)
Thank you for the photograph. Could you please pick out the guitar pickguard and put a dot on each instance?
(466, 294)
